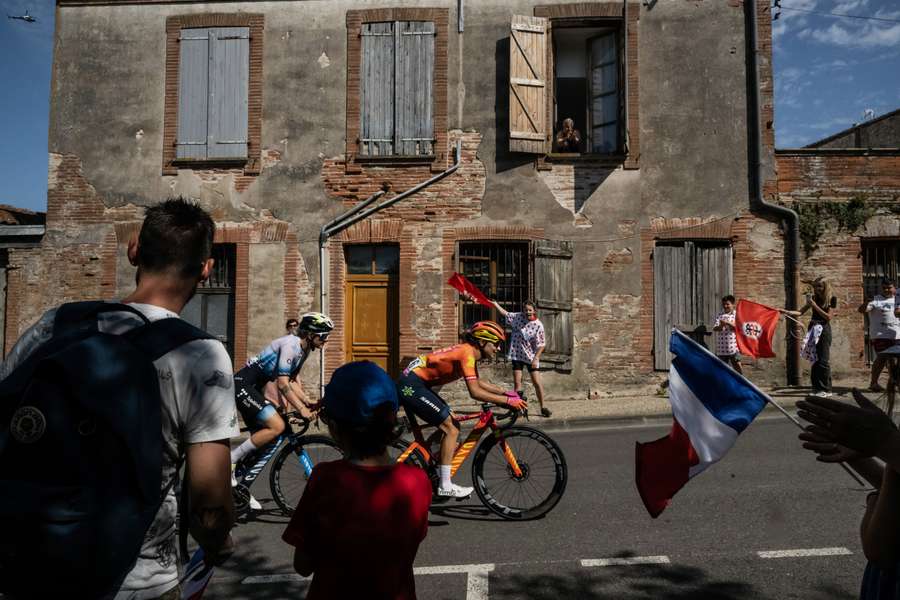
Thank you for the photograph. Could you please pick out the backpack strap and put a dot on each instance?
(85, 313)
(161, 337)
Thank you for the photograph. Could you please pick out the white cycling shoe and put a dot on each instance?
(455, 491)
(233, 480)
(254, 503)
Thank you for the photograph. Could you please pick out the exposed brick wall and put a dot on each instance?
(457, 197)
(838, 175)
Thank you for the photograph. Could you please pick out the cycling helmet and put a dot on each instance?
(316, 322)
(487, 331)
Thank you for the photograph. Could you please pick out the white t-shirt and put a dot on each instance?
(197, 390)
(883, 325)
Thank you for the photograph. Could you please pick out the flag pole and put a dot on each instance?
(800, 425)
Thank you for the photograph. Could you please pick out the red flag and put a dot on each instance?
(464, 285)
(755, 326)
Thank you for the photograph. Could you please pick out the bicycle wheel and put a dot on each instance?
(415, 458)
(294, 464)
(541, 484)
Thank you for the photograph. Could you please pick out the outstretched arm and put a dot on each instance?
(503, 312)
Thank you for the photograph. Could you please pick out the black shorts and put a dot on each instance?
(248, 395)
(518, 365)
(418, 400)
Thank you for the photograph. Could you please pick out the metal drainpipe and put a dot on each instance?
(356, 214)
(758, 204)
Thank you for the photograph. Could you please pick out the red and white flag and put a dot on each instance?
(754, 327)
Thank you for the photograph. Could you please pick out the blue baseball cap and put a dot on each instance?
(356, 390)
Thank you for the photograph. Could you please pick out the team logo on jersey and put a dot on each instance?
(751, 329)
(470, 362)
(28, 425)
(407, 391)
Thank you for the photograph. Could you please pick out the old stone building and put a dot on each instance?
(280, 116)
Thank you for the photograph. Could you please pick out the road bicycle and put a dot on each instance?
(519, 473)
(295, 456)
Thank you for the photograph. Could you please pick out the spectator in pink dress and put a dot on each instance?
(526, 344)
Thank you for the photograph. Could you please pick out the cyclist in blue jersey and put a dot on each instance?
(280, 362)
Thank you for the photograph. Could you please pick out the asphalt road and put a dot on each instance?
(768, 495)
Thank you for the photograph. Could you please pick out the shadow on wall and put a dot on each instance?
(587, 178)
(504, 159)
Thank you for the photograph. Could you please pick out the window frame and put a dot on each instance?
(225, 255)
(600, 14)
(440, 17)
(251, 164)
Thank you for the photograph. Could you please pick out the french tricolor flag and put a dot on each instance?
(711, 405)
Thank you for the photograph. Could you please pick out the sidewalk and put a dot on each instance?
(647, 405)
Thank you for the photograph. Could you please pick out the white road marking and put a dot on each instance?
(623, 561)
(802, 552)
(476, 577)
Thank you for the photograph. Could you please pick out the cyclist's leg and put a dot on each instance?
(259, 416)
(448, 447)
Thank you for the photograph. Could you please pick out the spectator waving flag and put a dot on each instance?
(754, 327)
(711, 405)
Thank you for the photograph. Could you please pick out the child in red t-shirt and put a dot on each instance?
(360, 520)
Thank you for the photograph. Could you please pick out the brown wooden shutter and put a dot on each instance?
(528, 75)
(553, 293)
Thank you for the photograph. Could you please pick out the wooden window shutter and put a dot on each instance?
(376, 94)
(528, 77)
(193, 93)
(606, 109)
(553, 293)
(229, 83)
(689, 280)
(414, 128)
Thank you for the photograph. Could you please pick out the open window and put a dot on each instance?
(567, 69)
(212, 307)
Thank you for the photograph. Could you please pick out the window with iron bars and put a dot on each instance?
(212, 307)
(501, 271)
(881, 260)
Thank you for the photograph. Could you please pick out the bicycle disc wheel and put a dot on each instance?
(541, 484)
(293, 466)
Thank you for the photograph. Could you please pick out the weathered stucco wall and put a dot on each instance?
(107, 115)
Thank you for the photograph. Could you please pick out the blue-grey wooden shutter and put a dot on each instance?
(229, 77)
(554, 294)
(414, 127)
(193, 93)
(376, 90)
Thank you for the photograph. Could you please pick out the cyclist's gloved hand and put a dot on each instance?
(514, 401)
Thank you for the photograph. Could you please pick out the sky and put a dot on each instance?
(830, 73)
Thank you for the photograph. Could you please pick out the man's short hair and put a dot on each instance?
(728, 298)
(176, 238)
(887, 283)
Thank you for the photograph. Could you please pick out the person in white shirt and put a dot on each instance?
(884, 327)
(172, 256)
(726, 338)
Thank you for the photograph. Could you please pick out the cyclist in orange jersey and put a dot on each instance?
(482, 340)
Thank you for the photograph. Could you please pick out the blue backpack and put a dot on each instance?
(81, 453)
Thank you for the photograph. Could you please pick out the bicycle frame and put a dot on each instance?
(253, 472)
(486, 420)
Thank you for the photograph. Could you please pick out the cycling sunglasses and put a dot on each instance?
(323, 336)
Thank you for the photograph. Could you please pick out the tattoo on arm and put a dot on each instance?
(210, 525)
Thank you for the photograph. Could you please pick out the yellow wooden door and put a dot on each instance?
(372, 316)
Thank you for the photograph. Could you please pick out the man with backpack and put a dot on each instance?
(99, 404)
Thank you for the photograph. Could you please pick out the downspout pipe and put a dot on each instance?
(758, 204)
(356, 214)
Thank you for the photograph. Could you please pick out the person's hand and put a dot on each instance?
(535, 364)
(827, 451)
(467, 296)
(514, 401)
(864, 428)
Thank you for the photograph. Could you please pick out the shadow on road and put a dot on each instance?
(626, 583)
